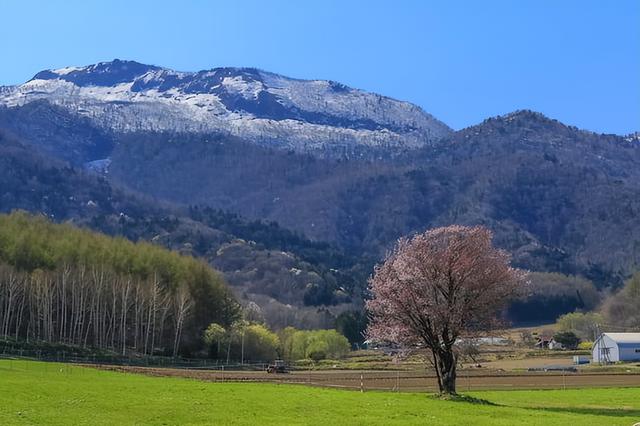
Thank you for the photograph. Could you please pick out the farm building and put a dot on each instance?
(614, 347)
(546, 341)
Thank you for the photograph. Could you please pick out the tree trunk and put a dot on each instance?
(446, 362)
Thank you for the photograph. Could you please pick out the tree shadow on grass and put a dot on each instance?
(463, 398)
(608, 412)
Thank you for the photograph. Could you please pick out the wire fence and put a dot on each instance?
(62, 356)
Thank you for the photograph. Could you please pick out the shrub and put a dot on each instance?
(213, 338)
(317, 350)
(584, 325)
(320, 344)
(260, 343)
(568, 339)
(586, 345)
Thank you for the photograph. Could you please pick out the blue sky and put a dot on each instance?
(462, 61)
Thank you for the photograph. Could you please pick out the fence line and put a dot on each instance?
(146, 361)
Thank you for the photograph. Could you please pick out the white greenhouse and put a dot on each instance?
(614, 347)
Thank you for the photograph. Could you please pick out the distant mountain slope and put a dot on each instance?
(317, 116)
(561, 199)
(32, 182)
(58, 132)
(287, 275)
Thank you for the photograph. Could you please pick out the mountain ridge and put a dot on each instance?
(318, 116)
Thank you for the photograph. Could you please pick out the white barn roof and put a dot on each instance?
(624, 337)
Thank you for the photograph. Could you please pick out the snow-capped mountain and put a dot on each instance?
(262, 107)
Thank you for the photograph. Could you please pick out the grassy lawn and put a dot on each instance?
(42, 394)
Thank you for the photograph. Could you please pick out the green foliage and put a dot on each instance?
(286, 336)
(585, 345)
(260, 343)
(313, 344)
(317, 350)
(214, 333)
(13, 346)
(213, 338)
(567, 338)
(352, 325)
(242, 341)
(33, 245)
(584, 325)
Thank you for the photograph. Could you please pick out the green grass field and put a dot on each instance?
(35, 393)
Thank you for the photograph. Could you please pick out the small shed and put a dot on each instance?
(555, 345)
(543, 340)
(614, 347)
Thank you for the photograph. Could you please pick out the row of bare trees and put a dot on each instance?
(92, 306)
(63, 284)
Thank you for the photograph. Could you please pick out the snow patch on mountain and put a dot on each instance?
(66, 70)
(266, 108)
(99, 166)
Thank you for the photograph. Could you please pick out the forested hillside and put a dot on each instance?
(39, 183)
(560, 199)
(62, 284)
(297, 282)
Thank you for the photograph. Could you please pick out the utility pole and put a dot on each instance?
(599, 340)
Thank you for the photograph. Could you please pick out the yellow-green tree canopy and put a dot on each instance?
(104, 291)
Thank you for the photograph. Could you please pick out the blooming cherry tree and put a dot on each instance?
(439, 286)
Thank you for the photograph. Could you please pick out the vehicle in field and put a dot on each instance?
(277, 367)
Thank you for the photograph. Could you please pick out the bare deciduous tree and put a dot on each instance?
(92, 306)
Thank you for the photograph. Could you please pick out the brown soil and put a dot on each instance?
(405, 381)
